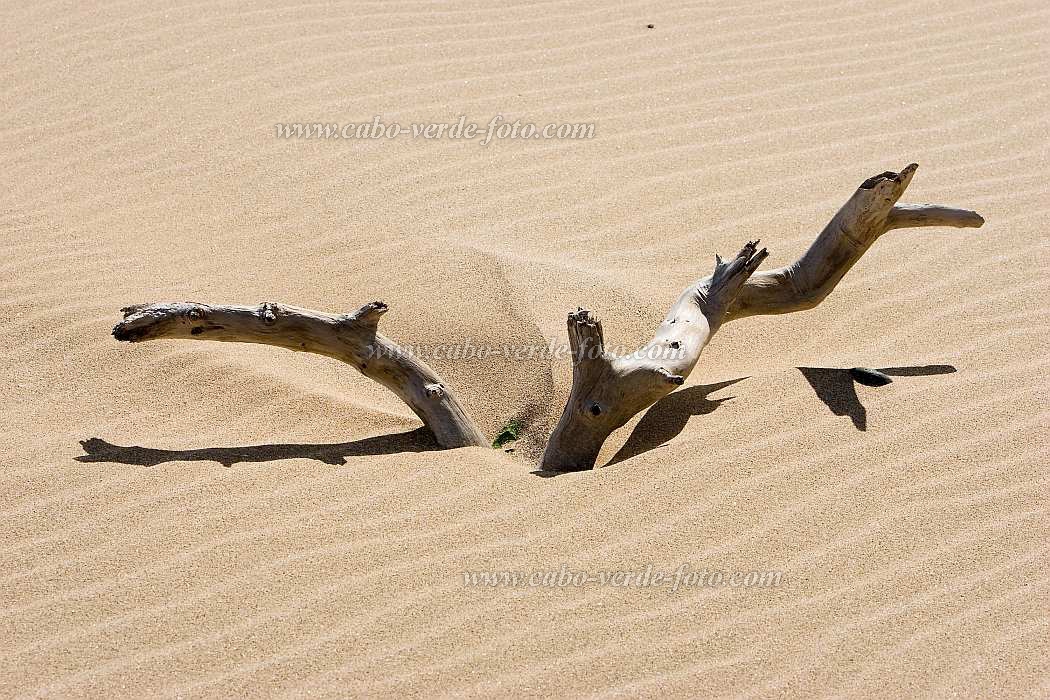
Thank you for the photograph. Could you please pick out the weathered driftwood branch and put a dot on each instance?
(607, 390)
(351, 338)
(869, 213)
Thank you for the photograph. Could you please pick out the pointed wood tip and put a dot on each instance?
(675, 379)
(369, 314)
(133, 309)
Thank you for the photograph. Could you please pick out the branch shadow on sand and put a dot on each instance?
(664, 420)
(418, 440)
(668, 417)
(838, 390)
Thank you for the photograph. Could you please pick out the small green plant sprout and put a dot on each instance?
(509, 433)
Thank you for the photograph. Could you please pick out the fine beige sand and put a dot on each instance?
(242, 520)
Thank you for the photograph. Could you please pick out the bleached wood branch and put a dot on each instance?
(869, 213)
(350, 338)
(607, 391)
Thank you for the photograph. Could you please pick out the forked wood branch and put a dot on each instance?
(606, 390)
(869, 213)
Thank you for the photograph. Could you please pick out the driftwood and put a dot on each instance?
(352, 338)
(606, 390)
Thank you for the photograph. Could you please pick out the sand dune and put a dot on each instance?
(245, 521)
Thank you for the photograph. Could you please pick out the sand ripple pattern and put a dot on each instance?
(199, 520)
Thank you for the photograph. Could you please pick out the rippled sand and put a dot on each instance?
(245, 521)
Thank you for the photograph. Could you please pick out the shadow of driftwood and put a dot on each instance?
(418, 440)
(664, 420)
(837, 388)
(669, 416)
